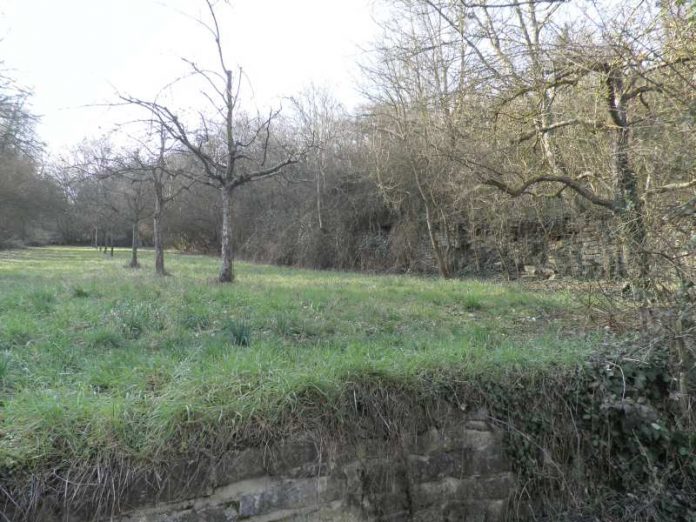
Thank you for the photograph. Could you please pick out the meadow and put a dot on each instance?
(97, 359)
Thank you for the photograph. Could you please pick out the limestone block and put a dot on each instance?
(234, 466)
(288, 494)
(455, 471)
(295, 459)
(455, 437)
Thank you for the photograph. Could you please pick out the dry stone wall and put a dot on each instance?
(456, 472)
(593, 250)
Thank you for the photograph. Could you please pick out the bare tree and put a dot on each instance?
(134, 194)
(88, 174)
(155, 164)
(232, 148)
(416, 113)
(17, 121)
(532, 64)
(319, 116)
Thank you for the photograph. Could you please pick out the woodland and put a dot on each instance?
(490, 136)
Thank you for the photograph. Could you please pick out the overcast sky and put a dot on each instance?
(75, 53)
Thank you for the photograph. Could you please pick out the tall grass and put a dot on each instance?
(98, 359)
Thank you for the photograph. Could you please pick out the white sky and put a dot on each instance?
(74, 53)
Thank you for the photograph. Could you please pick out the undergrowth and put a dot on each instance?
(605, 442)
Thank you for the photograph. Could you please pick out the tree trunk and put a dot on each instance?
(96, 237)
(157, 233)
(318, 180)
(226, 264)
(631, 209)
(134, 256)
(546, 138)
(628, 202)
(684, 349)
(111, 244)
(442, 262)
(632, 217)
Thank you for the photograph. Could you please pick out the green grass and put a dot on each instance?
(97, 359)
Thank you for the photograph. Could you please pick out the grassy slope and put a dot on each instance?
(96, 358)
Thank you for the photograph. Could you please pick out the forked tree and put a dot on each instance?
(530, 61)
(231, 148)
(154, 163)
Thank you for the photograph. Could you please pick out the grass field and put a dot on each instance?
(97, 358)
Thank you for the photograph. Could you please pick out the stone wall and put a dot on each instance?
(455, 472)
(592, 249)
(583, 245)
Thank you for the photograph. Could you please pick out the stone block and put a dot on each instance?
(332, 513)
(469, 511)
(427, 494)
(491, 460)
(211, 514)
(297, 459)
(462, 512)
(456, 464)
(382, 476)
(498, 487)
(234, 466)
(288, 494)
(477, 425)
(456, 471)
(186, 479)
(455, 437)
(385, 506)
